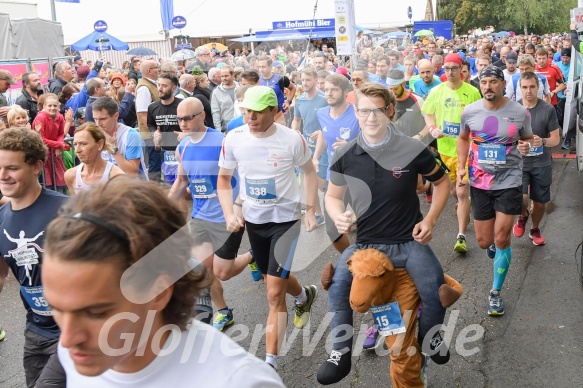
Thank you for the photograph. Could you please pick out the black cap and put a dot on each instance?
(511, 57)
(566, 52)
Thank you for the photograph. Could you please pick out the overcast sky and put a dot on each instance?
(214, 17)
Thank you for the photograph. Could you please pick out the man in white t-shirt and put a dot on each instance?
(132, 326)
(266, 154)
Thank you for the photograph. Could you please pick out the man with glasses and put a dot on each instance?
(198, 156)
(203, 58)
(379, 169)
(358, 79)
(443, 108)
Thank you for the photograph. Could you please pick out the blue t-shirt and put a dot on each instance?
(21, 245)
(131, 149)
(307, 110)
(345, 127)
(379, 80)
(422, 89)
(200, 161)
(565, 71)
(235, 123)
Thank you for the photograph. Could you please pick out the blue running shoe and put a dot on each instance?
(496, 306)
(255, 272)
(223, 320)
(491, 251)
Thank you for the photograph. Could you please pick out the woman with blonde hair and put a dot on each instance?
(17, 117)
(90, 142)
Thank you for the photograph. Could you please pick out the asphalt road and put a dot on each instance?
(537, 343)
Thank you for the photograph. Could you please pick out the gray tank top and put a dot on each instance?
(82, 186)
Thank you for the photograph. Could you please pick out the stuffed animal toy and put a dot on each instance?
(376, 283)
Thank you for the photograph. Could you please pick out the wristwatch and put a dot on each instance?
(544, 142)
(114, 151)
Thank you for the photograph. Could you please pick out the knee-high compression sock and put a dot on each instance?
(501, 265)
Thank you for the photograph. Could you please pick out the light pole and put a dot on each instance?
(53, 11)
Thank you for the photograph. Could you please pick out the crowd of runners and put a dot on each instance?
(265, 144)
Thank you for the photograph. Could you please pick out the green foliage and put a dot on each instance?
(537, 16)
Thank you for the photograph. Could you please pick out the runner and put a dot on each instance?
(526, 64)
(443, 108)
(306, 122)
(537, 170)
(265, 154)
(159, 344)
(279, 84)
(380, 169)
(89, 142)
(498, 130)
(198, 156)
(22, 156)
(339, 126)
(126, 142)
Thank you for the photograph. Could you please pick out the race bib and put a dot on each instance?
(311, 143)
(260, 189)
(489, 153)
(202, 188)
(35, 299)
(170, 157)
(535, 151)
(388, 319)
(451, 129)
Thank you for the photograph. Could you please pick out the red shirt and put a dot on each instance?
(554, 75)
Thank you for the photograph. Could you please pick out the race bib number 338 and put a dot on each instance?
(260, 189)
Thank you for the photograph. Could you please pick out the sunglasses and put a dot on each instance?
(188, 118)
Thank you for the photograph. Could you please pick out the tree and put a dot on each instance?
(538, 16)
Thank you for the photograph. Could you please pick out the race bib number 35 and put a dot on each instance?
(491, 153)
(35, 299)
(388, 319)
(260, 189)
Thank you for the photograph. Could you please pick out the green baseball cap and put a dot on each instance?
(258, 98)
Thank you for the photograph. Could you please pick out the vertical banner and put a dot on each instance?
(345, 27)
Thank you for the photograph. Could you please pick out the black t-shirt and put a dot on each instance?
(164, 116)
(383, 187)
(408, 117)
(544, 121)
(21, 242)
